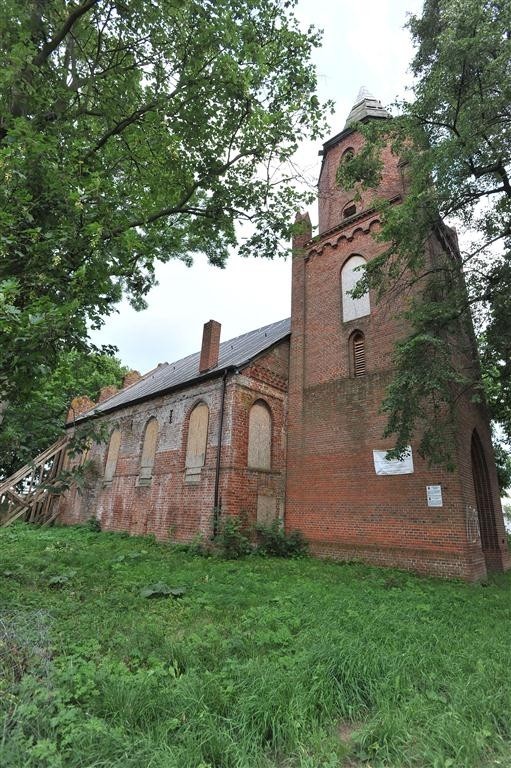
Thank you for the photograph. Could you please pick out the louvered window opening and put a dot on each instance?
(359, 357)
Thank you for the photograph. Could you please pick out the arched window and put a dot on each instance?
(350, 275)
(112, 455)
(259, 436)
(349, 209)
(347, 154)
(358, 354)
(148, 452)
(197, 441)
(484, 502)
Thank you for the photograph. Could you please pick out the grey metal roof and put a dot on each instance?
(234, 353)
(366, 105)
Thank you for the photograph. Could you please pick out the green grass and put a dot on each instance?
(263, 663)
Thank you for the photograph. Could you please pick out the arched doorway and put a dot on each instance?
(485, 509)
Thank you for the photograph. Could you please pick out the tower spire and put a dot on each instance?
(366, 106)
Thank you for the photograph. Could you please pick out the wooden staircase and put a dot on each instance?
(33, 492)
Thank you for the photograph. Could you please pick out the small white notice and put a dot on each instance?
(434, 494)
(384, 466)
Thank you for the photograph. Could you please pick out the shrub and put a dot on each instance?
(273, 540)
(93, 524)
(231, 542)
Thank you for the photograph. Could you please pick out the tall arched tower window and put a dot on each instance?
(350, 275)
(259, 436)
(197, 441)
(357, 346)
(484, 502)
(112, 455)
(148, 452)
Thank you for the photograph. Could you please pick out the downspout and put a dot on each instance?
(216, 501)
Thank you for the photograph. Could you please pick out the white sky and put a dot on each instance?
(363, 44)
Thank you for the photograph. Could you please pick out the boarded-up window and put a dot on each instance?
(112, 455)
(266, 509)
(358, 352)
(350, 275)
(197, 439)
(259, 436)
(148, 452)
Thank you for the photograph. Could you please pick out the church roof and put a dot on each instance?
(234, 353)
(365, 106)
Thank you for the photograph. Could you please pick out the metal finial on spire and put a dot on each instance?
(364, 93)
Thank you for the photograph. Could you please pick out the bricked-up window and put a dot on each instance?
(197, 441)
(358, 352)
(148, 452)
(259, 436)
(112, 455)
(350, 275)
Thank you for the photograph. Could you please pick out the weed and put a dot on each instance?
(93, 524)
(231, 542)
(264, 663)
(274, 541)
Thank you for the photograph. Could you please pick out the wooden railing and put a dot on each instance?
(32, 493)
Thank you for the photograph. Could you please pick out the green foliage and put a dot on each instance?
(264, 662)
(231, 542)
(160, 589)
(93, 524)
(132, 132)
(32, 423)
(454, 142)
(274, 541)
(503, 464)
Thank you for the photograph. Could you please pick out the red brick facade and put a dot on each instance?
(171, 506)
(323, 396)
(333, 494)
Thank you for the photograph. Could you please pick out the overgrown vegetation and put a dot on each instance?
(132, 133)
(236, 538)
(260, 662)
(30, 426)
(456, 131)
(274, 541)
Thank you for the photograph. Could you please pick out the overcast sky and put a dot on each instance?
(363, 44)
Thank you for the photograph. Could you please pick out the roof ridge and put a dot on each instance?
(183, 372)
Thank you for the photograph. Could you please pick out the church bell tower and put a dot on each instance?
(342, 492)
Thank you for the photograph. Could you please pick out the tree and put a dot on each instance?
(454, 140)
(30, 428)
(133, 131)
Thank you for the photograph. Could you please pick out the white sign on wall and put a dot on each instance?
(384, 466)
(434, 494)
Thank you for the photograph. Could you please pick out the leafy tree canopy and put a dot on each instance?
(454, 139)
(133, 131)
(29, 429)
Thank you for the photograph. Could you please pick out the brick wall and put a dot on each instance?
(171, 506)
(333, 494)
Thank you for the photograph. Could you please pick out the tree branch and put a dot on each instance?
(179, 207)
(56, 40)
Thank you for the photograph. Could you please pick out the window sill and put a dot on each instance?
(193, 474)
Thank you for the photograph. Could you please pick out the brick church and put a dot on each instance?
(284, 421)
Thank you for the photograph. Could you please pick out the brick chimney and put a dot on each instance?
(210, 346)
